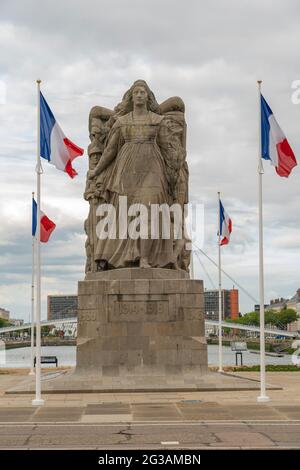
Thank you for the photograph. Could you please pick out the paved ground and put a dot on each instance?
(59, 382)
(180, 435)
(185, 420)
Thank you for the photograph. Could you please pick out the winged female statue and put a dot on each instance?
(137, 150)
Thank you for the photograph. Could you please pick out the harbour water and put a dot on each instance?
(67, 356)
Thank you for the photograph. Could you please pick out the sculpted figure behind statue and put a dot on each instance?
(137, 153)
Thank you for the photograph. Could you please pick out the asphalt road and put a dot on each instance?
(176, 435)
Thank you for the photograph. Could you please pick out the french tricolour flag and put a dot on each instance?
(55, 146)
(47, 226)
(225, 226)
(275, 146)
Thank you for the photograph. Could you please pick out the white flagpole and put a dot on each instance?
(32, 304)
(220, 287)
(263, 396)
(38, 399)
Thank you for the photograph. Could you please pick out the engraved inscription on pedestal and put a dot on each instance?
(138, 309)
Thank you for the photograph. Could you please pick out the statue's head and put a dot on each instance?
(138, 92)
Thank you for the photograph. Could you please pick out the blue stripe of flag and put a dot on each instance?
(265, 128)
(34, 217)
(222, 217)
(47, 123)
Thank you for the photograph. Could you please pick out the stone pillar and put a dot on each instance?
(141, 326)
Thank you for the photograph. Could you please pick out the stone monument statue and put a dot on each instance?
(137, 151)
(140, 316)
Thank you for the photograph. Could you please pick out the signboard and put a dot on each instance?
(238, 346)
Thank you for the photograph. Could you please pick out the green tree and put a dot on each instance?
(271, 318)
(251, 318)
(4, 323)
(279, 319)
(45, 330)
(286, 316)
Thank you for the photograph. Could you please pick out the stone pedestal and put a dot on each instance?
(141, 326)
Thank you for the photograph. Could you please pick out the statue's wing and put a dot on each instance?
(173, 109)
(175, 146)
(175, 103)
(98, 128)
(100, 113)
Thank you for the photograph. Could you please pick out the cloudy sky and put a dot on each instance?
(209, 53)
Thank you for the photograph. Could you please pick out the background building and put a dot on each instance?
(230, 304)
(16, 321)
(277, 304)
(234, 311)
(61, 306)
(294, 302)
(257, 307)
(4, 313)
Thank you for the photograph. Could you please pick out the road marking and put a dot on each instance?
(169, 443)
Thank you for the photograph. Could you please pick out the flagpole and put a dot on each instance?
(263, 396)
(38, 399)
(220, 287)
(32, 303)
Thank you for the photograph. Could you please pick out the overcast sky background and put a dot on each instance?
(209, 53)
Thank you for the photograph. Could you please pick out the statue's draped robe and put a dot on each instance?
(136, 169)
